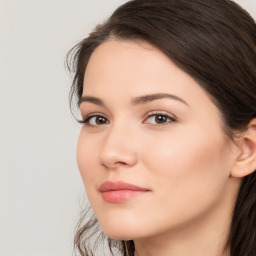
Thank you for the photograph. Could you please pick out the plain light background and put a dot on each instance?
(40, 186)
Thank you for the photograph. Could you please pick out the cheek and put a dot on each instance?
(86, 158)
(188, 176)
(186, 167)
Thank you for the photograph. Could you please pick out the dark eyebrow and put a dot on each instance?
(91, 99)
(138, 100)
(151, 97)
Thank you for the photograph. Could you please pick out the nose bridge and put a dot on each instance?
(118, 147)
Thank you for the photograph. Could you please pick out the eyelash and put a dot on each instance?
(87, 119)
(167, 119)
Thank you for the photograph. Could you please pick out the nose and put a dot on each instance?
(118, 149)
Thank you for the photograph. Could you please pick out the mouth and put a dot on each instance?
(119, 192)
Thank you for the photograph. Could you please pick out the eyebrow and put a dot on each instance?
(137, 100)
(151, 97)
(91, 99)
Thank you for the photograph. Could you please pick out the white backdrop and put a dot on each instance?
(40, 186)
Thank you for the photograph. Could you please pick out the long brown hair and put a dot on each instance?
(215, 43)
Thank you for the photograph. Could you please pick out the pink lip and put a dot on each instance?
(118, 192)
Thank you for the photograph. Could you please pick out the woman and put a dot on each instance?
(167, 150)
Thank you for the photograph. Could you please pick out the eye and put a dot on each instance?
(159, 119)
(95, 120)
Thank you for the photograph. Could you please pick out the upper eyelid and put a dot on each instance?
(171, 119)
(92, 114)
(87, 119)
(147, 115)
(161, 112)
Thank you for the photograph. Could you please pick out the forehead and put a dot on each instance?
(133, 58)
(134, 68)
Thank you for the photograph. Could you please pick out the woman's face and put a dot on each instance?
(149, 124)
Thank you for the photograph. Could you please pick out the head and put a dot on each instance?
(202, 137)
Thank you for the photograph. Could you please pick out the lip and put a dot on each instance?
(119, 192)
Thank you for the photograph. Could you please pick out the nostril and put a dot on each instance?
(121, 163)
(112, 165)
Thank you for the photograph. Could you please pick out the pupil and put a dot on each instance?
(100, 120)
(160, 119)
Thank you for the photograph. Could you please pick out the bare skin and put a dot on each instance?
(150, 124)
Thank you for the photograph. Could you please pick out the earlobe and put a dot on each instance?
(246, 161)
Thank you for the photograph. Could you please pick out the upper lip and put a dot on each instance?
(120, 185)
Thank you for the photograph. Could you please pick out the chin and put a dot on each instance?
(120, 231)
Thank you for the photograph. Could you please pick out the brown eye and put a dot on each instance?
(159, 119)
(100, 120)
(95, 120)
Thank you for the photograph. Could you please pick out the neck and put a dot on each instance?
(206, 235)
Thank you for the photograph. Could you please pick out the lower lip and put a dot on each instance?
(120, 196)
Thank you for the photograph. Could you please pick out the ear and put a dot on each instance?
(245, 163)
